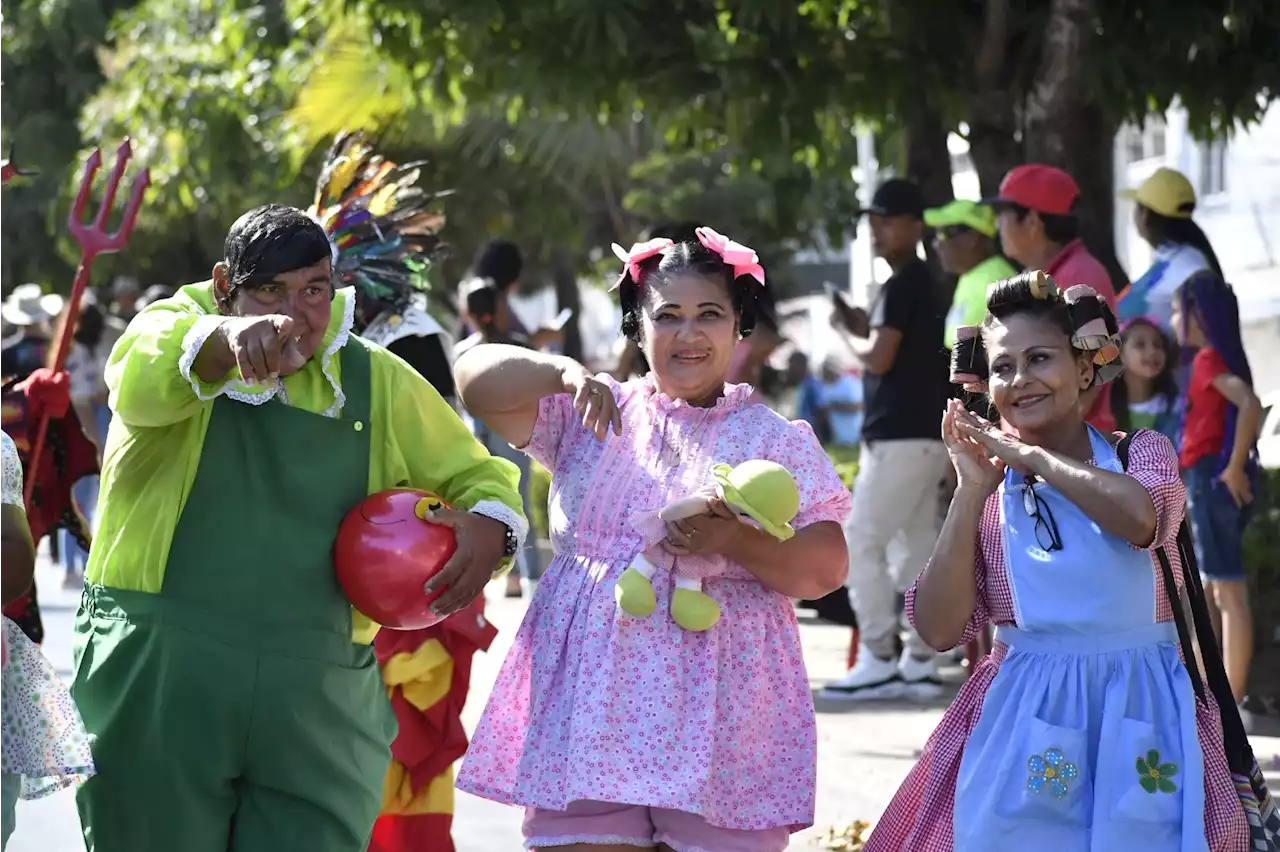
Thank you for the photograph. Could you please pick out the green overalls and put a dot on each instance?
(232, 710)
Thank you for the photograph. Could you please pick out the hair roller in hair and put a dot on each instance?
(1107, 373)
(968, 361)
(1039, 283)
(1088, 318)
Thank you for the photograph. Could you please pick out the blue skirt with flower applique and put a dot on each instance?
(1085, 744)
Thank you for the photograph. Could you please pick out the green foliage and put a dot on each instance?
(1262, 559)
(50, 68)
(569, 124)
(555, 92)
(203, 88)
(845, 460)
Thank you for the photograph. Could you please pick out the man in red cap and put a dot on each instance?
(1039, 229)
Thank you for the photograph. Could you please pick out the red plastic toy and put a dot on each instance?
(385, 552)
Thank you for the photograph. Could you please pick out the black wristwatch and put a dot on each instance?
(512, 543)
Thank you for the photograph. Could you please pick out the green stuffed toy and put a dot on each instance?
(760, 491)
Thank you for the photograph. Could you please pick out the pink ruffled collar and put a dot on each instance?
(734, 396)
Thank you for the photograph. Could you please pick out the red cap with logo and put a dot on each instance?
(1038, 187)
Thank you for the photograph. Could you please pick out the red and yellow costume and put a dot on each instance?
(427, 673)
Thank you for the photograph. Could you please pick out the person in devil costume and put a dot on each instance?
(69, 457)
(385, 231)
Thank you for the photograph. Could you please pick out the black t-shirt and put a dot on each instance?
(425, 353)
(907, 401)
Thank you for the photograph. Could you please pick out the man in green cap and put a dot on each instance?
(964, 237)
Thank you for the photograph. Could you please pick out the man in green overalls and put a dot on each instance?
(233, 692)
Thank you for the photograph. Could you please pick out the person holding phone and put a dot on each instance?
(902, 461)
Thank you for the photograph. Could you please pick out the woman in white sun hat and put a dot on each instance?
(27, 313)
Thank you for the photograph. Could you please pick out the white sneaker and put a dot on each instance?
(919, 677)
(870, 678)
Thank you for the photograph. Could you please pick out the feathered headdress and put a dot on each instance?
(383, 226)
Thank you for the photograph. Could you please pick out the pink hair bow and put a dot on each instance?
(640, 252)
(743, 259)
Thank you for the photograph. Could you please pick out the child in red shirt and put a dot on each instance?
(1218, 456)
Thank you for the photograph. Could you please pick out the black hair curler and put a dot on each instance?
(969, 359)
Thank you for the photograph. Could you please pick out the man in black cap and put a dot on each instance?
(903, 461)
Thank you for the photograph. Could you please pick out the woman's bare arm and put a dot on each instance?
(502, 386)
(946, 592)
(810, 564)
(1117, 502)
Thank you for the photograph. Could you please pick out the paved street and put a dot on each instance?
(862, 754)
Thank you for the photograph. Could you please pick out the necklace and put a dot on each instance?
(670, 454)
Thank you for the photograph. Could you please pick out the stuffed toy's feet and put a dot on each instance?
(693, 610)
(634, 589)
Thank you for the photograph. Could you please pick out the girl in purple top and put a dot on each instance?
(621, 732)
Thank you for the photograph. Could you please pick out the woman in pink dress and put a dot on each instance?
(617, 732)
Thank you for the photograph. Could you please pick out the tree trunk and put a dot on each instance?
(1051, 130)
(929, 165)
(928, 159)
(1093, 167)
(993, 145)
(1063, 131)
(565, 279)
(993, 125)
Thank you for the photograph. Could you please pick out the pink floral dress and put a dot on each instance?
(592, 704)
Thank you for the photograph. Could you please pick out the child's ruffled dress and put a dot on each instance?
(593, 704)
(43, 743)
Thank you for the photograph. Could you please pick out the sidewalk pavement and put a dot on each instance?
(864, 751)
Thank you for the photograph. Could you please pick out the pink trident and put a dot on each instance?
(94, 240)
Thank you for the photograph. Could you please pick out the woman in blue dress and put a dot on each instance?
(1080, 731)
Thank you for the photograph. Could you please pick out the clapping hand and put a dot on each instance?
(978, 467)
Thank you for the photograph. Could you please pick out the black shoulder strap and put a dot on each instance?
(1170, 589)
(1236, 741)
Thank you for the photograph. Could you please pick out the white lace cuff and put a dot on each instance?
(504, 514)
(192, 343)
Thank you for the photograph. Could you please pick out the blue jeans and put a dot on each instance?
(1217, 523)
